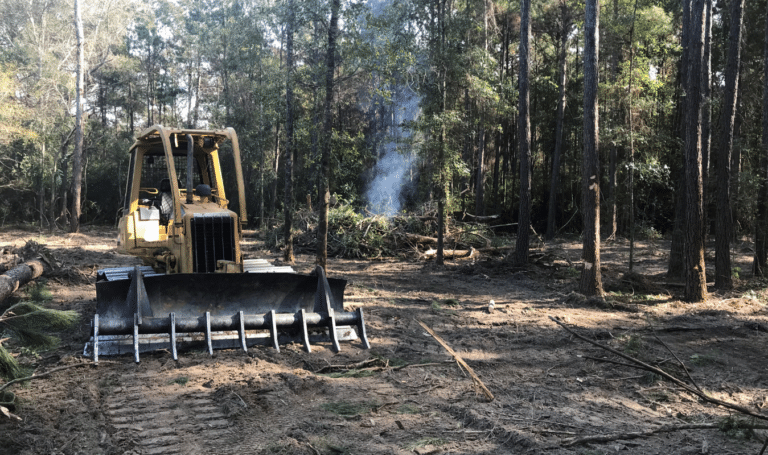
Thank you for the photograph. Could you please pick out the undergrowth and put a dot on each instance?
(355, 234)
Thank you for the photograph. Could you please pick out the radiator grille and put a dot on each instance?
(213, 239)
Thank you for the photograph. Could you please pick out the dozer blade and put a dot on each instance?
(145, 311)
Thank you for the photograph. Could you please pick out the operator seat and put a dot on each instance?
(166, 201)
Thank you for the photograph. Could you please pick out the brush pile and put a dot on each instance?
(352, 234)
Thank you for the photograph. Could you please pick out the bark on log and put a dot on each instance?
(18, 276)
(416, 238)
(452, 254)
(480, 218)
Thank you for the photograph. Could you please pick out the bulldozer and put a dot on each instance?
(194, 287)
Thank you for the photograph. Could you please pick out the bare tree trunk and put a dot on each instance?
(613, 152)
(676, 254)
(554, 185)
(77, 158)
(276, 169)
(496, 168)
(591, 280)
(322, 229)
(631, 182)
(288, 194)
(442, 194)
(760, 264)
(693, 249)
(480, 175)
(723, 220)
(41, 193)
(524, 127)
(61, 159)
(706, 114)
(736, 163)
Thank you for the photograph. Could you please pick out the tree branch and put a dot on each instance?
(45, 374)
(644, 366)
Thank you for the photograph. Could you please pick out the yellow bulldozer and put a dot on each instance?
(195, 288)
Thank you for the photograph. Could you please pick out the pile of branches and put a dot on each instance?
(352, 234)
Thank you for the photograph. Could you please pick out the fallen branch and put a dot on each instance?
(637, 434)
(45, 374)
(412, 365)
(644, 366)
(460, 361)
(688, 374)
(364, 366)
(354, 366)
(597, 359)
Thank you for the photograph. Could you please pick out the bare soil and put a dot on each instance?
(406, 394)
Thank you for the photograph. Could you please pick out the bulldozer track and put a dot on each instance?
(158, 421)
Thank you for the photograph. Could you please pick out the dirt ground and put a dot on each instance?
(406, 394)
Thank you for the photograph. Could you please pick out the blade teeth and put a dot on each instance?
(108, 332)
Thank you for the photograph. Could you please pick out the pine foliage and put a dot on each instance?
(28, 323)
(9, 367)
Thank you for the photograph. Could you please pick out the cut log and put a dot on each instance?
(416, 238)
(481, 219)
(18, 276)
(452, 254)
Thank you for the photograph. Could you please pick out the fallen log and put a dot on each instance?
(416, 238)
(18, 276)
(452, 254)
(481, 219)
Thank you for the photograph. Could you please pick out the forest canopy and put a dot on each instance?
(425, 104)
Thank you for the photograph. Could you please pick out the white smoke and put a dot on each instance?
(393, 172)
(393, 176)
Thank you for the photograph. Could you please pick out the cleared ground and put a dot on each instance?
(406, 395)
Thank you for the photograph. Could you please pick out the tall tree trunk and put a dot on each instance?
(325, 160)
(131, 125)
(613, 152)
(77, 158)
(524, 127)
(442, 193)
(723, 221)
(693, 249)
(496, 168)
(736, 163)
(289, 152)
(197, 91)
(631, 128)
(479, 189)
(676, 254)
(554, 185)
(706, 113)
(591, 280)
(61, 159)
(41, 188)
(760, 264)
(276, 169)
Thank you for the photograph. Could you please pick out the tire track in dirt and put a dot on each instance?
(179, 421)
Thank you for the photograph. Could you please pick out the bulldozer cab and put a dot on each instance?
(175, 177)
(155, 191)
